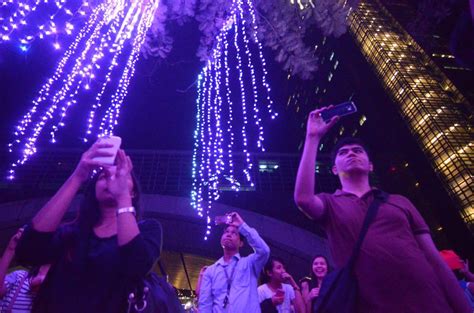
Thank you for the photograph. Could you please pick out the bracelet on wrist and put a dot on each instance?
(129, 209)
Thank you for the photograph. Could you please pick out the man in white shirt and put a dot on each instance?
(230, 284)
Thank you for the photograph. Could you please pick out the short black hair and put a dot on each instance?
(346, 141)
(269, 268)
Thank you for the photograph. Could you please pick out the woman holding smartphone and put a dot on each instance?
(99, 257)
(310, 286)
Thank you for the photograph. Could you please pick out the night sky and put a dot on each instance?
(159, 111)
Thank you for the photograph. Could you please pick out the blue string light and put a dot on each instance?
(222, 102)
(114, 29)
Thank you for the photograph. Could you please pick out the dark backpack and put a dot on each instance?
(154, 295)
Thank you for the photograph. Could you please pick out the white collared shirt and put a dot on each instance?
(243, 295)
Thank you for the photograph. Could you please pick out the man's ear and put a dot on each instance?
(334, 170)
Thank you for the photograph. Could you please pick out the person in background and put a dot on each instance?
(310, 286)
(198, 285)
(230, 284)
(198, 289)
(18, 289)
(461, 270)
(279, 291)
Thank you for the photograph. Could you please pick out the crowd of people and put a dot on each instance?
(95, 263)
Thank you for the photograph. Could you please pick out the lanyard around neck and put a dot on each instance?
(231, 278)
(229, 282)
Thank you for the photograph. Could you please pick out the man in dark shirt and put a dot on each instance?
(399, 268)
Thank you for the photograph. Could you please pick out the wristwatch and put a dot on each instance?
(129, 209)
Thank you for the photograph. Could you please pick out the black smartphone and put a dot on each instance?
(342, 109)
(223, 219)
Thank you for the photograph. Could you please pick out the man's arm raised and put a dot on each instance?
(304, 195)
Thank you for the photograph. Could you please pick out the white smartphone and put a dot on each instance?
(116, 142)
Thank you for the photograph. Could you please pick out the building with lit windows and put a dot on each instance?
(439, 40)
(428, 101)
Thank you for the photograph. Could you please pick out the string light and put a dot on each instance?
(115, 30)
(194, 200)
(25, 21)
(263, 63)
(229, 94)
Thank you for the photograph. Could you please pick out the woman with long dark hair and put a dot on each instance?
(97, 259)
(310, 287)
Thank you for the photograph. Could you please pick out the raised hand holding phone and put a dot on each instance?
(223, 219)
(341, 109)
(114, 143)
(119, 179)
(323, 119)
(91, 160)
(316, 127)
(236, 220)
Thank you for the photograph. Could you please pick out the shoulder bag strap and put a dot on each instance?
(379, 197)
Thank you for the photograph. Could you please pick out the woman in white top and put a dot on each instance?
(279, 293)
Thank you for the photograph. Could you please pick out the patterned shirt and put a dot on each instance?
(24, 300)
